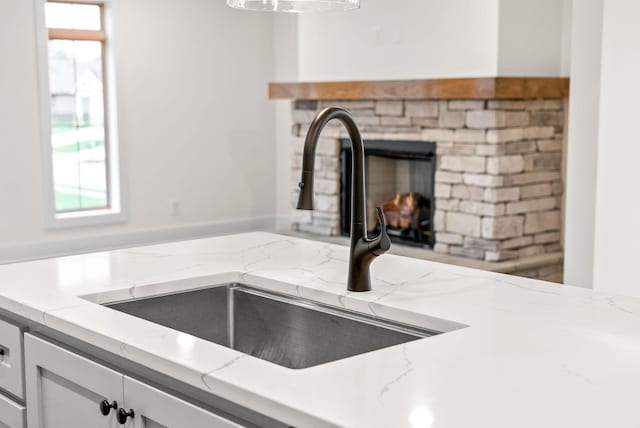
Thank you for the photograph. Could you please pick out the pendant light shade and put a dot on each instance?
(294, 5)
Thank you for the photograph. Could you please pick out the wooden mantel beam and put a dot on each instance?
(468, 88)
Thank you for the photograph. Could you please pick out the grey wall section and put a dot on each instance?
(617, 199)
(531, 37)
(401, 39)
(582, 148)
(285, 42)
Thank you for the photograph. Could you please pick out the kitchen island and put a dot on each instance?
(513, 352)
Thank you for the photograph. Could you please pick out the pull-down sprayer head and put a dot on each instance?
(305, 199)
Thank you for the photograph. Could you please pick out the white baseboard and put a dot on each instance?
(58, 248)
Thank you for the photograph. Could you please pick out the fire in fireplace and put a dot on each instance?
(400, 176)
(408, 216)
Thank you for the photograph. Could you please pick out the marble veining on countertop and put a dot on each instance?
(516, 352)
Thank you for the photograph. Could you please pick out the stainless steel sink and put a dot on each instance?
(288, 331)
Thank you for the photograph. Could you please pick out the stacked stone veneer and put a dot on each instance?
(498, 177)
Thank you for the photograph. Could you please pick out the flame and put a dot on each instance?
(411, 200)
(396, 201)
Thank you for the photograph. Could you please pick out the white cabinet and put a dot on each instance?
(12, 415)
(65, 390)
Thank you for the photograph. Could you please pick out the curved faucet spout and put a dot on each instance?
(363, 250)
(305, 200)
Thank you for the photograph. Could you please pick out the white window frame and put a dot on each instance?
(117, 210)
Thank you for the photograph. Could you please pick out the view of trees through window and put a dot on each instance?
(77, 99)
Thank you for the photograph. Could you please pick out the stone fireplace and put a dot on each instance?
(495, 193)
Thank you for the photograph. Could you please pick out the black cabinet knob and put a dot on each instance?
(105, 407)
(122, 415)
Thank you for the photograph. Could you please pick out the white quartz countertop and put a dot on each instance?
(532, 353)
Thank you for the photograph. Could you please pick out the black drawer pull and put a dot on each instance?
(122, 415)
(105, 407)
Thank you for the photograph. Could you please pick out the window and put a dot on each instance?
(82, 166)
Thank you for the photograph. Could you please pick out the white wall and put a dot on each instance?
(196, 125)
(582, 147)
(285, 41)
(20, 162)
(567, 33)
(433, 38)
(401, 39)
(532, 36)
(603, 226)
(618, 199)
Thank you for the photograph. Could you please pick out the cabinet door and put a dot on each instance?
(64, 390)
(12, 415)
(156, 409)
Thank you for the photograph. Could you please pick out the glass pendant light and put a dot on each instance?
(294, 5)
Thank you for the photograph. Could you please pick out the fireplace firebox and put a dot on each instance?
(400, 179)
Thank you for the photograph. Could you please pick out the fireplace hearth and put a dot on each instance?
(400, 179)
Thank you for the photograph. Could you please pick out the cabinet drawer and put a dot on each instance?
(11, 361)
(12, 415)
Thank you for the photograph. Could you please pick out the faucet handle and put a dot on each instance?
(382, 243)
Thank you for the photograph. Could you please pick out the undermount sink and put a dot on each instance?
(288, 331)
